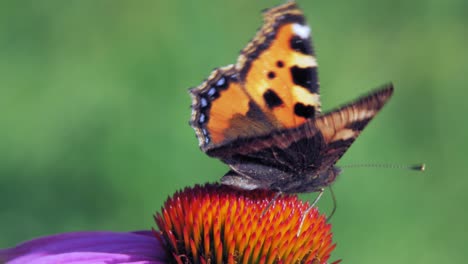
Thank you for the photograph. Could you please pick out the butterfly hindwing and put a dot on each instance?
(222, 111)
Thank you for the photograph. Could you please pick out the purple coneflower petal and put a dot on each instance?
(88, 247)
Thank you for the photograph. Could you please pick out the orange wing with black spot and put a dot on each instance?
(273, 86)
(222, 111)
(279, 69)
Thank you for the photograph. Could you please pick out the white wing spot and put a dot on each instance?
(304, 61)
(306, 97)
(301, 30)
(344, 134)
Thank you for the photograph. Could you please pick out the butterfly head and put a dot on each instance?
(309, 181)
(328, 176)
(321, 179)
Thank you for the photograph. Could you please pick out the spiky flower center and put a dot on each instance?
(217, 224)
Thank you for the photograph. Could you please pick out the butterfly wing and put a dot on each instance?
(339, 128)
(222, 111)
(301, 159)
(278, 67)
(273, 85)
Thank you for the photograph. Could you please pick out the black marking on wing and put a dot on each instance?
(302, 110)
(251, 56)
(301, 45)
(340, 144)
(305, 77)
(272, 99)
(359, 125)
(271, 75)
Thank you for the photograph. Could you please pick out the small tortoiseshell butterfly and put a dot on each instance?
(262, 115)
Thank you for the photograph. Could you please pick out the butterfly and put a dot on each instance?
(262, 116)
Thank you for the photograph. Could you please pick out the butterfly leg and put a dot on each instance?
(304, 215)
(334, 204)
(277, 195)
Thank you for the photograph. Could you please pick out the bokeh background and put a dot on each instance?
(94, 114)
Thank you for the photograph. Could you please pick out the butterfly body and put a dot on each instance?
(262, 116)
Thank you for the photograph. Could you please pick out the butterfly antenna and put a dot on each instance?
(415, 167)
(304, 215)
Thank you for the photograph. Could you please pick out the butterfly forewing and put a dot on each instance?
(273, 85)
(279, 69)
(339, 128)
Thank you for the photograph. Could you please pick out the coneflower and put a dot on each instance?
(203, 224)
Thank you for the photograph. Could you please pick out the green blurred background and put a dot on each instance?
(94, 107)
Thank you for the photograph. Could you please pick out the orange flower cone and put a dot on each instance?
(217, 224)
